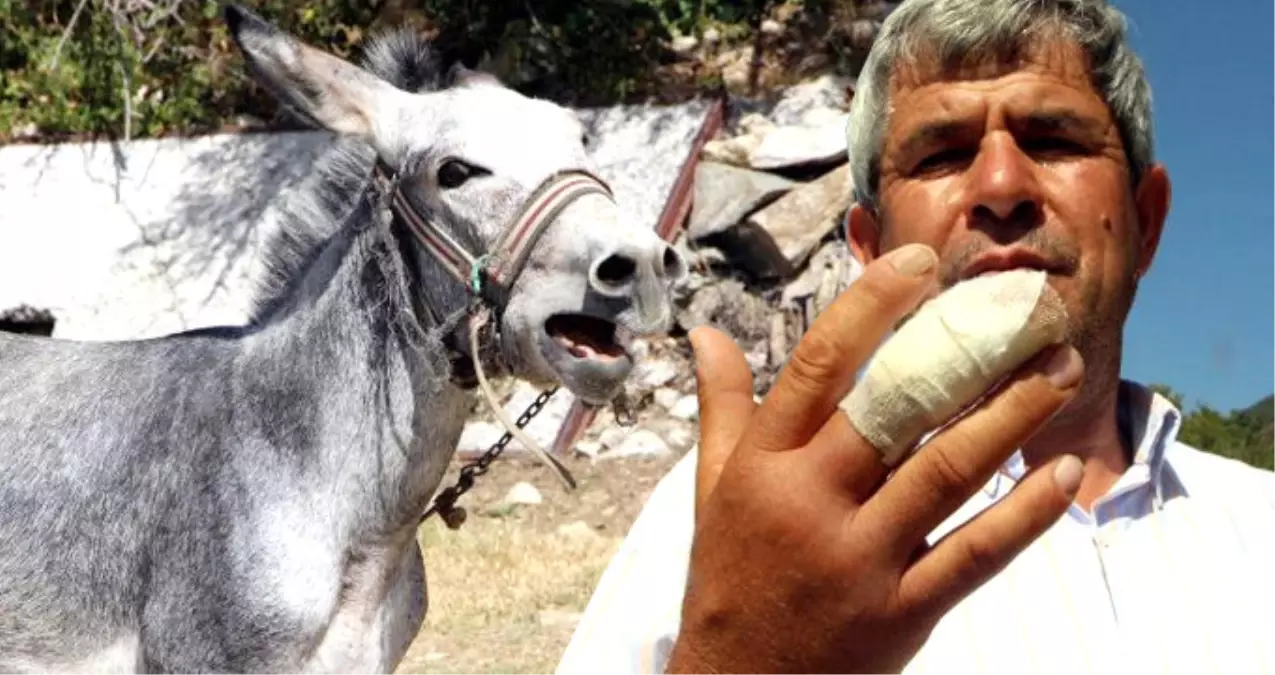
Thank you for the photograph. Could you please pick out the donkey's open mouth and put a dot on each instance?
(589, 337)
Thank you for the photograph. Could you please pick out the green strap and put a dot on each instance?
(476, 274)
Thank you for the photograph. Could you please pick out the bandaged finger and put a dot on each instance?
(952, 351)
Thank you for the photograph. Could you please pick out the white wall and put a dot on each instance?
(156, 236)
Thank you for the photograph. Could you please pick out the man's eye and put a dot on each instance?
(1054, 146)
(945, 159)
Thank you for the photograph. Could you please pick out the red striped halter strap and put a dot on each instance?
(490, 276)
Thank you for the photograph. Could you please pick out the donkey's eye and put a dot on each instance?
(453, 173)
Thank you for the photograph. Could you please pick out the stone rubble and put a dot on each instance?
(523, 493)
(768, 254)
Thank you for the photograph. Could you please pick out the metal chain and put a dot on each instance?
(445, 503)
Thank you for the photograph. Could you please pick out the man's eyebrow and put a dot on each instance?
(1059, 121)
(936, 132)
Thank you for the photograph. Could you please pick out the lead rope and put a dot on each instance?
(475, 324)
(445, 503)
(478, 314)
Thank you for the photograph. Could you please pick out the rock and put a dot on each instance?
(654, 373)
(826, 94)
(750, 249)
(863, 32)
(758, 357)
(577, 530)
(735, 144)
(686, 408)
(712, 35)
(640, 149)
(683, 44)
(639, 443)
(613, 436)
(557, 617)
(480, 434)
(726, 194)
(478, 437)
(790, 146)
(733, 150)
(729, 306)
(778, 338)
(798, 221)
(667, 398)
(738, 139)
(523, 493)
(827, 273)
(640, 348)
(589, 449)
(771, 27)
(734, 65)
(26, 131)
(876, 9)
(678, 437)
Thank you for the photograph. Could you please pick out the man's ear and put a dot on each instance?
(321, 88)
(863, 234)
(1152, 199)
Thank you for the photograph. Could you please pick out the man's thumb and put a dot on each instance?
(724, 385)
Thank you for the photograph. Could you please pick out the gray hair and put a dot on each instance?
(953, 33)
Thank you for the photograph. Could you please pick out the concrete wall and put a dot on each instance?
(151, 237)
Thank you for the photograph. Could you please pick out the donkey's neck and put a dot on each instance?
(387, 416)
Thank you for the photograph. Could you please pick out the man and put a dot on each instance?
(1060, 526)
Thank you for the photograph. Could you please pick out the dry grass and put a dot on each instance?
(507, 588)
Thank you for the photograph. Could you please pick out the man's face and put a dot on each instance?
(1019, 166)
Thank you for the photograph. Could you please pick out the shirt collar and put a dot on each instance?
(1153, 424)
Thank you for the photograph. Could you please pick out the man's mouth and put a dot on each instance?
(1002, 261)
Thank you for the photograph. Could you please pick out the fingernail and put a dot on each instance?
(1068, 473)
(1064, 367)
(692, 336)
(912, 260)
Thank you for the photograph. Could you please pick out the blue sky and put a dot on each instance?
(1204, 319)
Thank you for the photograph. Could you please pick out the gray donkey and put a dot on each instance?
(247, 498)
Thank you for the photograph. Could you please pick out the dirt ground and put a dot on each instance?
(507, 588)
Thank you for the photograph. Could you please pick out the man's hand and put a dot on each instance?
(806, 558)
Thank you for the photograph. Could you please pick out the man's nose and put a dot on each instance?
(1004, 187)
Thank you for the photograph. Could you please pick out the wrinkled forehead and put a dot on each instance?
(506, 132)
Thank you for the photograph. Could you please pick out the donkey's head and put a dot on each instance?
(473, 157)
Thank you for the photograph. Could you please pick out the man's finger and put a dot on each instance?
(978, 550)
(822, 366)
(725, 391)
(959, 460)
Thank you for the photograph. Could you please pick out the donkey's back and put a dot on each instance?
(124, 507)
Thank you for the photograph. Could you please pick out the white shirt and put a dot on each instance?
(1171, 571)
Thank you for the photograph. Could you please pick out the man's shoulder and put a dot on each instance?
(1209, 473)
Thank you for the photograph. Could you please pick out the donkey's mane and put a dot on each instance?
(336, 193)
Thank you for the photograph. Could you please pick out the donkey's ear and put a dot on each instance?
(320, 87)
(460, 76)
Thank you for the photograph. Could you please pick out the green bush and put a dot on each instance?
(169, 67)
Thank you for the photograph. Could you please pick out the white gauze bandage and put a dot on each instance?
(955, 348)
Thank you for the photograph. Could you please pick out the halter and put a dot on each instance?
(489, 279)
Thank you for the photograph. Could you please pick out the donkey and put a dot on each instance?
(247, 498)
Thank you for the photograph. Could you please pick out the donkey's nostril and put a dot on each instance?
(616, 270)
(674, 264)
